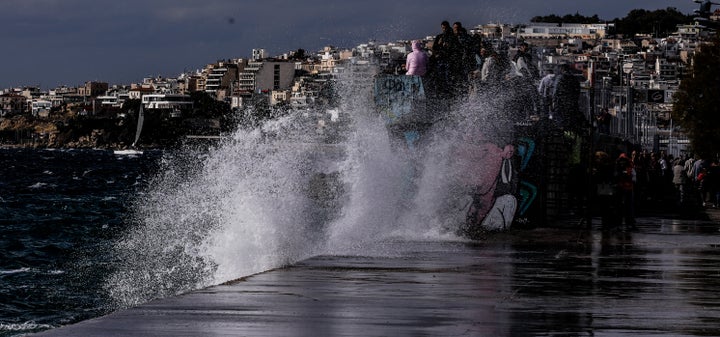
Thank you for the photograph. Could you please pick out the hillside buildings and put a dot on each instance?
(632, 78)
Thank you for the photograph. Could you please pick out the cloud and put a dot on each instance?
(72, 41)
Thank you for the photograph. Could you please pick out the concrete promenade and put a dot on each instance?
(661, 279)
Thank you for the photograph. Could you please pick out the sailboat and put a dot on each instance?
(133, 150)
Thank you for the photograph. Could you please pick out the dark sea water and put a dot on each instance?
(60, 212)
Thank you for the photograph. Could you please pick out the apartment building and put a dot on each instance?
(220, 76)
(12, 103)
(92, 89)
(137, 91)
(566, 30)
(265, 76)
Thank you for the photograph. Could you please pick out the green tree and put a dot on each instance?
(697, 102)
(568, 18)
(658, 22)
(205, 105)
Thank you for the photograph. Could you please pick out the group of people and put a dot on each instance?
(456, 59)
(458, 63)
(451, 60)
(697, 180)
(654, 180)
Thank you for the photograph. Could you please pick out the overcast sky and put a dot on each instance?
(68, 42)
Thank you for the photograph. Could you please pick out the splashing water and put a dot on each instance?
(249, 204)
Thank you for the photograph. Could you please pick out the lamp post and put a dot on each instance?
(627, 69)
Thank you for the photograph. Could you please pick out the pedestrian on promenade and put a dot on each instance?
(524, 62)
(712, 184)
(698, 173)
(464, 59)
(445, 50)
(688, 167)
(416, 62)
(565, 100)
(679, 181)
(604, 119)
(545, 91)
(625, 180)
(495, 67)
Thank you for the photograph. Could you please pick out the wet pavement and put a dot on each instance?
(660, 279)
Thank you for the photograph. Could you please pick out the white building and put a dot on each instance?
(38, 106)
(167, 101)
(567, 30)
(259, 54)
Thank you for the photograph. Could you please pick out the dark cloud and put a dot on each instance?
(53, 42)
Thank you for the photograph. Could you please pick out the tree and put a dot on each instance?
(205, 105)
(660, 21)
(299, 55)
(568, 18)
(641, 21)
(697, 103)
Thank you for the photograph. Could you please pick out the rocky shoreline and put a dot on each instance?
(97, 132)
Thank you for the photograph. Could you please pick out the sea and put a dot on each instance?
(87, 232)
(60, 213)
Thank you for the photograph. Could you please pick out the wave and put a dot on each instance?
(24, 327)
(273, 195)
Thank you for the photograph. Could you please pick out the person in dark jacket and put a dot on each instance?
(524, 63)
(625, 178)
(565, 100)
(443, 66)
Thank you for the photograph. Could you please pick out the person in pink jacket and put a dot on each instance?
(417, 61)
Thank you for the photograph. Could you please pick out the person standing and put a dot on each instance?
(679, 178)
(565, 100)
(712, 183)
(416, 62)
(604, 119)
(545, 90)
(524, 64)
(494, 68)
(463, 60)
(445, 49)
(625, 179)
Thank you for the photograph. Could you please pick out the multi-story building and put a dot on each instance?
(304, 92)
(265, 76)
(566, 30)
(665, 70)
(12, 103)
(259, 54)
(162, 84)
(167, 101)
(92, 89)
(329, 57)
(40, 107)
(138, 91)
(492, 31)
(115, 97)
(366, 51)
(280, 96)
(219, 77)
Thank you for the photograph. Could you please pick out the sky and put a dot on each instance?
(48, 43)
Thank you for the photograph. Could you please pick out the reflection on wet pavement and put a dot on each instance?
(661, 279)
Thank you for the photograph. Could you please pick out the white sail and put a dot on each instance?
(141, 119)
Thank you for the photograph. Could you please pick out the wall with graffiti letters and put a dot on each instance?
(503, 175)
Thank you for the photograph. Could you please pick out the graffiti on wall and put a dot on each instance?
(491, 168)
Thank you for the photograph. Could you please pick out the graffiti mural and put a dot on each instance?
(490, 165)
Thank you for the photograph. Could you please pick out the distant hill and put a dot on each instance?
(659, 22)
